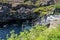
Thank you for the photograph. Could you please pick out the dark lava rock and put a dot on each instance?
(57, 10)
(0, 3)
(7, 4)
(20, 15)
(23, 5)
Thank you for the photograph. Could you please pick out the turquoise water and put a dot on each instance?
(6, 30)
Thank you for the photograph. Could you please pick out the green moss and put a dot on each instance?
(44, 10)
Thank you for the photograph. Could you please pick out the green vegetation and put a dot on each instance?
(37, 33)
(50, 34)
(45, 10)
(4, 1)
(57, 6)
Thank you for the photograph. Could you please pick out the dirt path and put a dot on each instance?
(55, 23)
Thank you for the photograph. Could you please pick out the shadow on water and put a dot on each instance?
(8, 28)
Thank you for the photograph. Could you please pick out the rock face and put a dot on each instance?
(20, 15)
(22, 12)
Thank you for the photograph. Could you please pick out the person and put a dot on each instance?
(39, 20)
(45, 17)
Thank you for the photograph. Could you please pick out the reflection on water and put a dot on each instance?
(8, 28)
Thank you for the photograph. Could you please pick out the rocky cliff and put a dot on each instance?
(21, 12)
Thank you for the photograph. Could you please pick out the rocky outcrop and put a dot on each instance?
(20, 15)
(21, 12)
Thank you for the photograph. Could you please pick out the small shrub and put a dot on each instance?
(37, 33)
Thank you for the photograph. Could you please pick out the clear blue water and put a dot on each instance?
(7, 29)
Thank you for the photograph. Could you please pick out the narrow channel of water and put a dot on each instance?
(17, 28)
